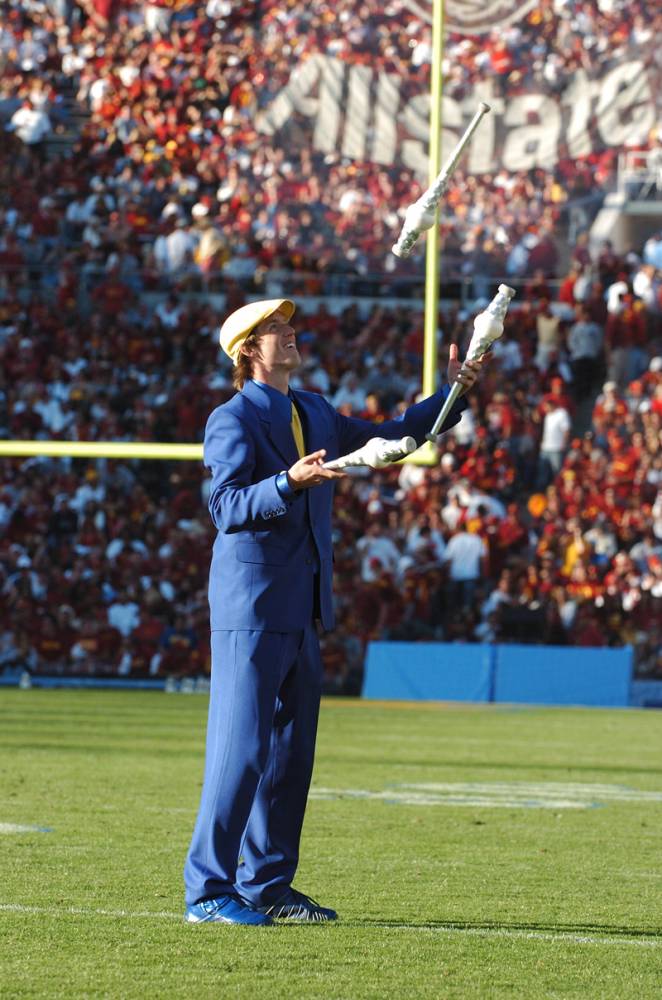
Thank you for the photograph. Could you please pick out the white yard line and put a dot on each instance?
(518, 932)
(447, 929)
(495, 794)
(82, 911)
(9, 828)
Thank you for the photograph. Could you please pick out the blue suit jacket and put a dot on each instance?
(268, 548)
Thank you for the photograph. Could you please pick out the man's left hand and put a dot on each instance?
(466, 374)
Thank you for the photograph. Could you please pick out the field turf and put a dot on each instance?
(537, 873)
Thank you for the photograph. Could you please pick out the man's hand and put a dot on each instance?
(466, 374)
(309, 471)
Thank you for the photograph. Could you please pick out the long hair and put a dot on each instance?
(243, 369)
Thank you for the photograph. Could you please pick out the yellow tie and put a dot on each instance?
(297, 431)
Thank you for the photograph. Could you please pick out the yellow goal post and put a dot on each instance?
(101, 449)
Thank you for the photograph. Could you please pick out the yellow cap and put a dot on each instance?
(242, 322)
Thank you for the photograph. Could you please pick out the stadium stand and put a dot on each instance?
(138, 195)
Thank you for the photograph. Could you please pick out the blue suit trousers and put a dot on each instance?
(264, 706)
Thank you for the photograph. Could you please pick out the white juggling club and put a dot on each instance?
(422, 214)
(376, 453)
(488, 327)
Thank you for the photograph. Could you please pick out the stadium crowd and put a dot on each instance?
(527, 529)
(171, 180)
(542, 521)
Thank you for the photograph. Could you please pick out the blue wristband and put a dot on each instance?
(284, 488)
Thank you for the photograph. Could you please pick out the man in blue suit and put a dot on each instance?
(270, 582)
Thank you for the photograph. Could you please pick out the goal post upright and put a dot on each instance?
(428, 455)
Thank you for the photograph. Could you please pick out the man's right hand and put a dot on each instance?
(309, 471)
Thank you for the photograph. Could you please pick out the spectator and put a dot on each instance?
(466, 558)
(625, 338)
(585, 348)
(30, 124)
(378, 553)
(555, 435)
(124, 614)
(549, 337)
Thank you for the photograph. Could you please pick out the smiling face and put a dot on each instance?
(275, 355)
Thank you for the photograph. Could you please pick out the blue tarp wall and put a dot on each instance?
(534, 675)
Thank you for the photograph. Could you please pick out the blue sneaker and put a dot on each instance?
(225, 910)
(294, 905)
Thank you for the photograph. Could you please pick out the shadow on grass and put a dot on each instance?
(580, 930)
(154, 745)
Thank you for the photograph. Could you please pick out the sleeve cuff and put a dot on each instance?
(284, 488)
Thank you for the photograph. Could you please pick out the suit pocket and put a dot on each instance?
(267, 555)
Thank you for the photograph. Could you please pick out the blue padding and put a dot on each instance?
(427, 671)
(563, 675)
(97, 682)
(646, 694)
(10, 676)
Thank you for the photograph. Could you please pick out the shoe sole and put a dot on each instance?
(303, 918)
(189, 919)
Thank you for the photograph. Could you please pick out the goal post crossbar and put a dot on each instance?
(101, 449)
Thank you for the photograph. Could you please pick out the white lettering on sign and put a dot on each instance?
(359, 114)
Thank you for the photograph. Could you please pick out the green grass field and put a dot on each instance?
(530, 864)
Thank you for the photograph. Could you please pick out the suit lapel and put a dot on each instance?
(283, 441)
(277, 429)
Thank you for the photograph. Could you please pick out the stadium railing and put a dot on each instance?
(41, 279)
